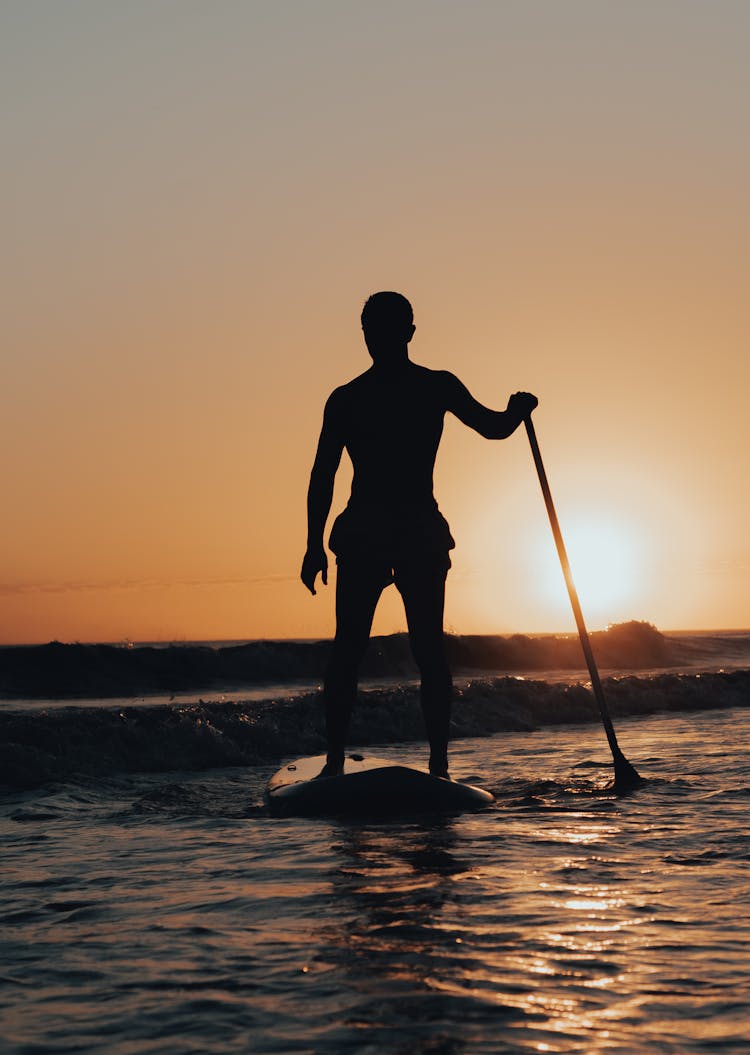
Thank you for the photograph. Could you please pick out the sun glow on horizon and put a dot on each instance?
(606, 562)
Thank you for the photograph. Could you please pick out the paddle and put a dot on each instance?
(626, 775)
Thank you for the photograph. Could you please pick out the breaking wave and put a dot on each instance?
(46, 745)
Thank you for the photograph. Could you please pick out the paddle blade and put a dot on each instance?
(627, 776)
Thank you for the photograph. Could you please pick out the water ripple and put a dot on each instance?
(164, 913)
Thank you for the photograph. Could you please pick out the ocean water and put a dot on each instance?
(167, 912)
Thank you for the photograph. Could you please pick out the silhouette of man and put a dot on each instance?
(390, 420)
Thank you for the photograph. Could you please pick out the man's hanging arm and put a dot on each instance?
(320, 495)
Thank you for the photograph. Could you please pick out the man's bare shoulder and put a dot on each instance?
(443, 377)
(426, 373)
(443, 383)
(356, 384)
(349, 389)
(341, 401)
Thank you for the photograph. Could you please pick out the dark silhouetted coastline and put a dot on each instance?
(75, 671)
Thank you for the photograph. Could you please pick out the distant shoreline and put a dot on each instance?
(216, 643)
(78, 671)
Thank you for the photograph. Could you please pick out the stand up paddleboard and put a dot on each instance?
(367, 786)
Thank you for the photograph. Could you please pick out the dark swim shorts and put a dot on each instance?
(392, 541)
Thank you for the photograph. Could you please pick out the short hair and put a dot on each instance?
(391, 312)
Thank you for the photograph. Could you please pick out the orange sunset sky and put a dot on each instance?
(197, 199)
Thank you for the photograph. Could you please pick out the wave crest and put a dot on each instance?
(42, 746)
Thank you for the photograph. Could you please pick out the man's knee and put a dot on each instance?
(429, 652)
(347, 652)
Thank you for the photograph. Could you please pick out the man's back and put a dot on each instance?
(390, 421)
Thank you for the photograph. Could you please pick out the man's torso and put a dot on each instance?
(391, 423)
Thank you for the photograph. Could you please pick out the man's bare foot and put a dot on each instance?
(334, 767)
(440, 770)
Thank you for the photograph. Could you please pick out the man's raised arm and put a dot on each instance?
(492, 424)
(320, 495)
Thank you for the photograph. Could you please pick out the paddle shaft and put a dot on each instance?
(623, 768)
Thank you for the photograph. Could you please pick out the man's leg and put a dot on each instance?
(422, 586)
(358, 589)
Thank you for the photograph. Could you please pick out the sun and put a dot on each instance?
(604, 559)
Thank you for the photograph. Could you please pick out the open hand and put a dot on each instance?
(315, 560)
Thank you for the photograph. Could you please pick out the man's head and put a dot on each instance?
(388, 325)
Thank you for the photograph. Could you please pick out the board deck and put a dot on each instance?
(367, 786)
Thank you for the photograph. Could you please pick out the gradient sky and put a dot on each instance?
(198, 197)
